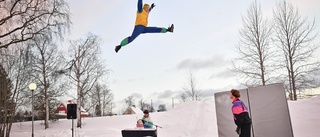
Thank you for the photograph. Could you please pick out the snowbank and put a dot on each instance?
(190, 119)
(305, 117)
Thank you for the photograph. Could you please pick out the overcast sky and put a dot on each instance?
(156, 66)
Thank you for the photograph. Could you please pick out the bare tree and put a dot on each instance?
(254, 48)
(14, 61)
(96, 96)
(46, 62)
(107, 101)
(145, 106)
(101, 98)
(6, 114)
(191, 91)
(22, 20)
(183, 97)
(86, 68)
(129, 101)
(162, 107)
(294, 38)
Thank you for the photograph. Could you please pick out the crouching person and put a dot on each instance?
(147, 123)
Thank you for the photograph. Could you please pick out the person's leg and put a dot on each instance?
(136, 32)
(154, 30)
(246, 131)
(146, 126)
(158, 29)
(142, 29)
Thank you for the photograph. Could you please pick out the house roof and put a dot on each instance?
(71, 102)
(136, 110)
(133, 110)
(83, 111)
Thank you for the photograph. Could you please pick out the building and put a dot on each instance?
(61, 110)
(132, 110)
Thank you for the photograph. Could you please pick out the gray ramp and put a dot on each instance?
(226, 126)
(269, 110)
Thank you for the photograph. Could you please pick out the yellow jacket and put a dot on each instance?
(142, 18)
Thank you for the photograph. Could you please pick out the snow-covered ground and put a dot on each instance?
(190, 119)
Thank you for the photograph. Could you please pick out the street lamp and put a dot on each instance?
(32, 87)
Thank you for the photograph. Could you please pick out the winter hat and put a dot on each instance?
(146, 6)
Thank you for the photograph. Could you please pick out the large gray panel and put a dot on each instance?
(269, 111)
(226, 126)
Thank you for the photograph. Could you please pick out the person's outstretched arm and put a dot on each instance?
(152, 6)
(140, 6)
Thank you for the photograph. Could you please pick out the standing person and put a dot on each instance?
(141, 25)
(147, 123)
(241, 115)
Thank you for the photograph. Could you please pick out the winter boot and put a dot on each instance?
(117, 48)
(170, 29)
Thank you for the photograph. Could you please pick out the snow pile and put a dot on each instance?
(190, 119)
(305, 117)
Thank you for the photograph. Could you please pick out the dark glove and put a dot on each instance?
(238, 130)
(152, 5)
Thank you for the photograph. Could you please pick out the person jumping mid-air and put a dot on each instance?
(141, 25)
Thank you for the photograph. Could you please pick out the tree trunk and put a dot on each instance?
(47, 113)
(46, 86)
(293, 82)
(79, 107)
(4, 109)
(10, 120)
(262, 72)
(290, 86)
(79, 91)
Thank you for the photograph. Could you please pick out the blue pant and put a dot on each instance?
(145, 126)
(139, 29)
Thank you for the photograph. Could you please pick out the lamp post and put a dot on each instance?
(32, 87)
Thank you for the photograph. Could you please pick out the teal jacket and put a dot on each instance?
(147, 123)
